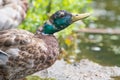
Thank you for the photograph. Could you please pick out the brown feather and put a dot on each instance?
(27, 53)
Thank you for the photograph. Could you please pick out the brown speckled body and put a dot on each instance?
(27, 53)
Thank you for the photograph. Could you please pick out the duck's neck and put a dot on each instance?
(48, 28)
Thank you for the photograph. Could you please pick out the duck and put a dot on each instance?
(12, 13)
(23, 53)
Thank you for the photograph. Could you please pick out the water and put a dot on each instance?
(103, 49)
(108, 13)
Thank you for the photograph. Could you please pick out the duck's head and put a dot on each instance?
(60, 20)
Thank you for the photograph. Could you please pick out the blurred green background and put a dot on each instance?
(101, 48)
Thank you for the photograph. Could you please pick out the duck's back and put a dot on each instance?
(23, 53)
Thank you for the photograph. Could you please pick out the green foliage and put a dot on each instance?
(38, 78)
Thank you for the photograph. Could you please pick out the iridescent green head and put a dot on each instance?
(60, 20)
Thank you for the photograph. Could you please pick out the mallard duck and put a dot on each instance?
(23, 53)
(12, 13)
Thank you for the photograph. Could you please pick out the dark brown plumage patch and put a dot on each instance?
(23, 42)
(3, 72)
(22, 48)
(7, 43)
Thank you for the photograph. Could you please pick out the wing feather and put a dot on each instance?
(14, 37)
(27, 53)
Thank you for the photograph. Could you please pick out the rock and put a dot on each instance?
(84, 70)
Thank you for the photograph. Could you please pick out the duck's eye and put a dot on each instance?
(61, 15)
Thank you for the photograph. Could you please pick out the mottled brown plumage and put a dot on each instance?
(27, 53)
